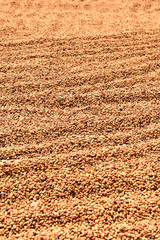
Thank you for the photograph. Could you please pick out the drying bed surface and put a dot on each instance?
(80, 138)
(79, 119)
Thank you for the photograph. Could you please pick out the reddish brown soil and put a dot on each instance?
(80, 119)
